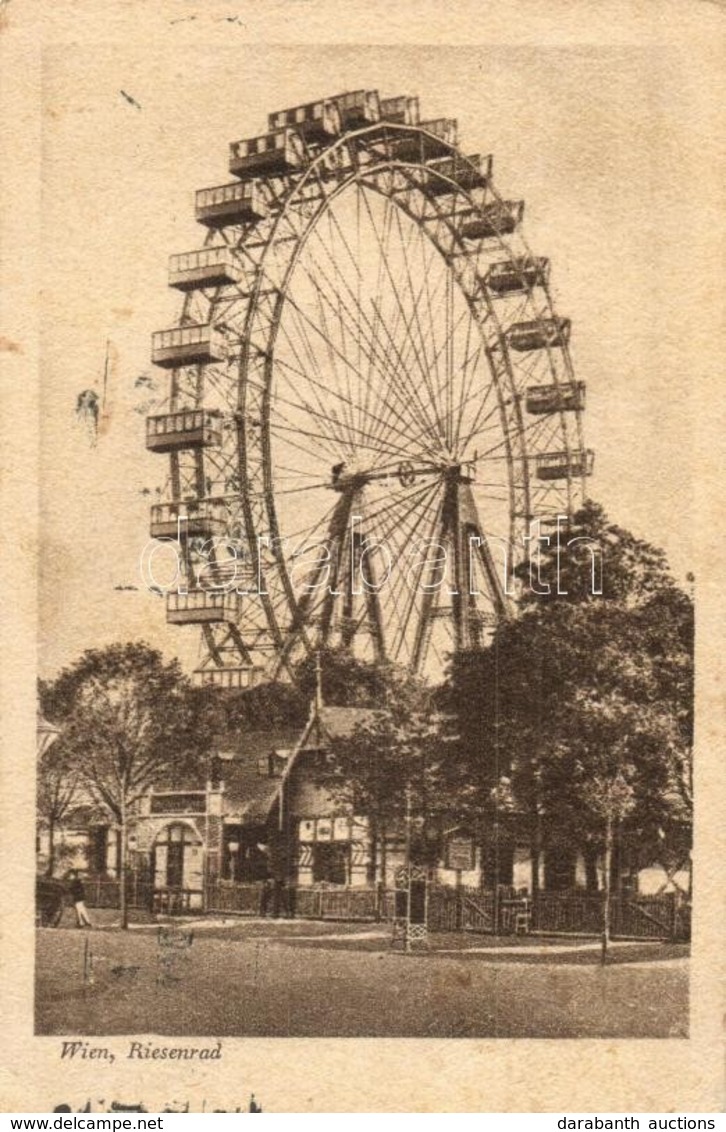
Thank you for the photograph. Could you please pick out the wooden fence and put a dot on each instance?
(666, 916)
(353, 904)
(663, 916)
(237, 899)
(105, 893)
(463, 909)
(571, 913)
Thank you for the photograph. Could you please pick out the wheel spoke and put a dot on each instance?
(372, 370)
(376, 356)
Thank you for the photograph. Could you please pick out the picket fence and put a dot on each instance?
(662, 916)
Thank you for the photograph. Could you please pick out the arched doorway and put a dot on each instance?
(178, 868)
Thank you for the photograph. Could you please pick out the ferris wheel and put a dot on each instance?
(371, 397)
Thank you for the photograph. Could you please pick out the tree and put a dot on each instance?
(610, 799)
(590, 559)
(230, 710)
(387, 769)
(127, 722)
(600, 773)
(525, 708)
(347, 680)
(57, 791)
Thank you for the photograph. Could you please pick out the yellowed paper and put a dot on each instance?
(608, 121)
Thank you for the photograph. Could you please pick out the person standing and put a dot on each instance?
(78, 896)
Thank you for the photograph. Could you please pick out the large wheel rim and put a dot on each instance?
(275, 253)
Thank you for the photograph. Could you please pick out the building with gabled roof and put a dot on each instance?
(262, 817)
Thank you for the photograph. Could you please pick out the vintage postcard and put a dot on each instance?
(361, 751)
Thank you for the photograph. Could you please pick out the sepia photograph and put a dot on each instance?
(367, 556)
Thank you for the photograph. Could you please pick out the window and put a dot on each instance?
(331, 862)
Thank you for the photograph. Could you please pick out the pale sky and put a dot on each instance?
(608, 146)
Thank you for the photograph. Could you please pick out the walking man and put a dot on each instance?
(78, 896)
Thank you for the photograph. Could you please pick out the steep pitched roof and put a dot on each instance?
(244, 760)
(244, 763)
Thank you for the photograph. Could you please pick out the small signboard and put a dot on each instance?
(460, 853)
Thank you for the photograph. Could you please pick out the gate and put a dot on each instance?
(461, 909)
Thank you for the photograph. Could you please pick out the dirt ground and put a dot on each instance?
(305, 978)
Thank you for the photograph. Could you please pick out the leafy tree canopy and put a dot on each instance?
(590, 559)
(579, 680)
(390, 764)
(126, 721)
(348, 681)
